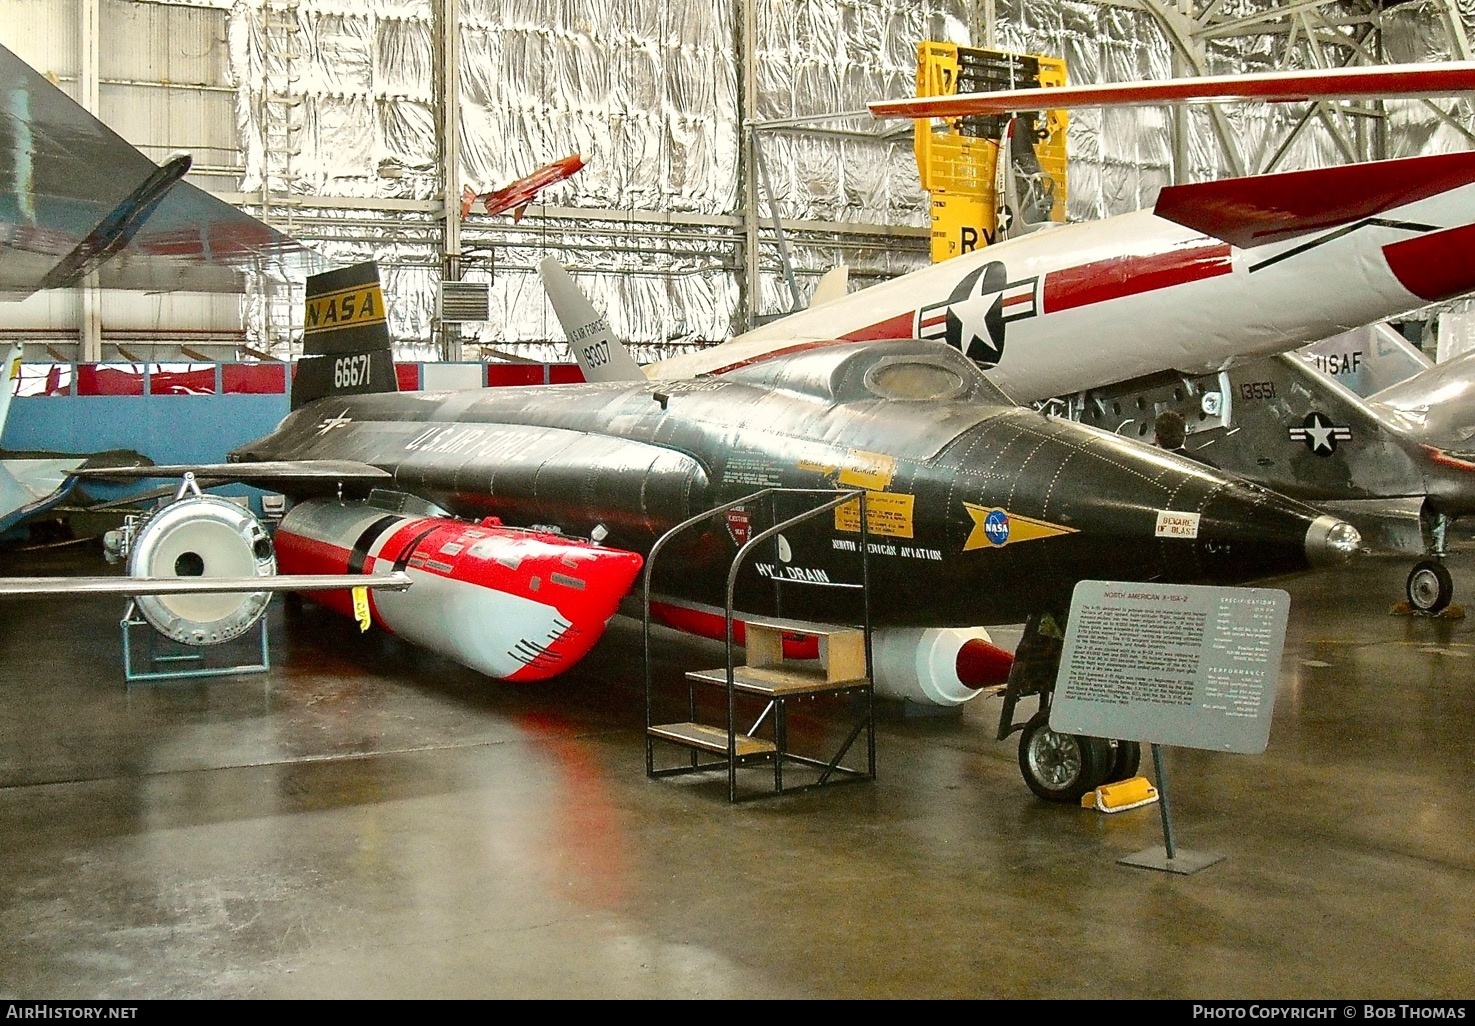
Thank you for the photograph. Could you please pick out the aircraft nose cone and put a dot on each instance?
(1330, 541)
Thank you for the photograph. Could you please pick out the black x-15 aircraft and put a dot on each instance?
(979, 511)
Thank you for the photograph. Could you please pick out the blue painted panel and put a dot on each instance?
(167, 429)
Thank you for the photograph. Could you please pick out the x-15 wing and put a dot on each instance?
(15, 587)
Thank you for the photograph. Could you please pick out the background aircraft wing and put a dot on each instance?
(1390, 81)
(1366, 359)
(76, 197)
(1260, 209)
(297, 476)
(32, 483)
(17, 587)
(29, 487)
(1438, 404)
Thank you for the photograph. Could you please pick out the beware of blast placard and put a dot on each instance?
(1176, 525)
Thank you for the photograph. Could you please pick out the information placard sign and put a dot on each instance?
(1171, 664)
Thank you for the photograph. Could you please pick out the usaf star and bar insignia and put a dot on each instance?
(973, 318)
(1319, 434)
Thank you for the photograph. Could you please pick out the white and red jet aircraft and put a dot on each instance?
(1215, 273)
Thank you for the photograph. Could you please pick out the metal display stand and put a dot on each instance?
(1169, 857)
(1185, 665)
(175, 661)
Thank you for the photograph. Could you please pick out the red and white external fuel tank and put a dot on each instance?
(514, 604)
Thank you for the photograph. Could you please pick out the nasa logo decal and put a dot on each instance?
(995, 527)
(973, 317)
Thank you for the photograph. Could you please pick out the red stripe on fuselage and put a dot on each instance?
(1065, 289)
(899, 326)
(1119, 277)
(1436, 266)
(801, 347)
(896, 327)
(297, 554)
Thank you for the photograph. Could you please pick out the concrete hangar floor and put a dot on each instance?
(369, 821)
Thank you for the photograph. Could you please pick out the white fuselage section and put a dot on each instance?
(1084, 305)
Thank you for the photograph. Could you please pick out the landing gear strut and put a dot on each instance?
(1125, 765)
(1429, 587)
(1057, 767)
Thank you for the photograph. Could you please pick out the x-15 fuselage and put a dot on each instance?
(979, 511)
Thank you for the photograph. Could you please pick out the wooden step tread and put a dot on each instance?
(842, 650)
(774, 681)
(711, 739)
(807, 628)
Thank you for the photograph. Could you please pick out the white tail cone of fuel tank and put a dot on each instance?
(923, 665)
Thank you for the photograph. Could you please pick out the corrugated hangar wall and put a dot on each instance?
(348, 124)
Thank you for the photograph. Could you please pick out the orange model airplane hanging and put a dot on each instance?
(519, 194)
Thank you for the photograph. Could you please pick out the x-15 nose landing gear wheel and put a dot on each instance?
(1429, 587)
(1062, 767)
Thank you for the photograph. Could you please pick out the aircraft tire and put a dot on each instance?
(1430, 587)
(1062, 767)
(1126, 759)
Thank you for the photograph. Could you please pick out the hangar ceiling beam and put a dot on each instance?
(1179, 28)
(90, 74)
(983, 24)
(1456, 26)
(281, 113)
(1315, 33)
(450, 160)
(1271, 19)
(1364, 47)
(752, 291)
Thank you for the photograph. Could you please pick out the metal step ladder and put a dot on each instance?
(837, 686)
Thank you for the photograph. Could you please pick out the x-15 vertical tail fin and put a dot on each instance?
(346, 348)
